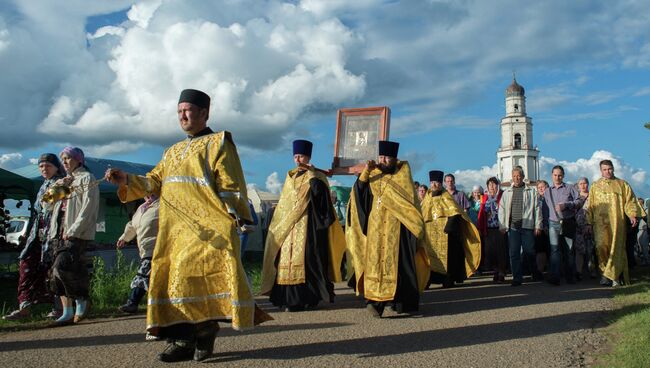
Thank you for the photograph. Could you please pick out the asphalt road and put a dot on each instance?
(475, 325)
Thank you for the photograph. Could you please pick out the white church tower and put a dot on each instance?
(517, 137)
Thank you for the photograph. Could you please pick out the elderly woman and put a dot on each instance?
(72, 228)
(475, 204)
(584, 241)
(143, 227)
(488, 225)
(35, 258)
(542, 241)
(472, 212)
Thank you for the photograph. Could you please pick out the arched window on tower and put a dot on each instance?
(517, 141)
(516, 108)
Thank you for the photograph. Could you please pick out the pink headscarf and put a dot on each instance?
(148, 202)
(74, 152)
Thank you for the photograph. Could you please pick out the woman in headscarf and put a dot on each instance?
(144, 228)
(584, 241)
(475, 204)
(496, 244)
(72, 228)
(35, 259)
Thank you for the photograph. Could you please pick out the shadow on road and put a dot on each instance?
(419, 341)
(436, 302)
(102, 340)
(68, 342)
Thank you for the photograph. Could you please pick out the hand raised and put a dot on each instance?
(371, 165)
(115, 176)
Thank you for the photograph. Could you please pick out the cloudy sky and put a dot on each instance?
(105, 76)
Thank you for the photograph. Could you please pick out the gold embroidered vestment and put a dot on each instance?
(375, 255)
(288, 235)
(435, 211)
(610, 200)
(197, 274)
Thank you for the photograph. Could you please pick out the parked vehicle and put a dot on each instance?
(17, 231)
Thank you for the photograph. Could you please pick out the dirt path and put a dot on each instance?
(476, 325)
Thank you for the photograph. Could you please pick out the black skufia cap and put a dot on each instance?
(388, 148)
(436, 175)
(302, 147)
(195, 97)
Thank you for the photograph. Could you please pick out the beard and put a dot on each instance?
(388, 168)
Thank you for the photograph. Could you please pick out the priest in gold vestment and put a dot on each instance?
(302, 256)
(197, 277)
(452, 241)
(383, 227)
(611, 205)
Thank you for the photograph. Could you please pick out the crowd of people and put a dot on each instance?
(556, 231)
(393, 240)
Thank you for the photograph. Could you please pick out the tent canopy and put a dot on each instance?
(23, 183)
(15, 186)
(97, 167)
(342, 193)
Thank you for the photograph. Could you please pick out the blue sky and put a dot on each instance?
(105, 76)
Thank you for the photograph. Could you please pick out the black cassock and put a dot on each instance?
(455, 255)
(317, 286)
(407, 294)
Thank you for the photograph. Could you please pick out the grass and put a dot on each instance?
(629, 329)
(254, 272)
(109, 288)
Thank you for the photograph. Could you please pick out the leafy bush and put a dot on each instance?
(109, 288)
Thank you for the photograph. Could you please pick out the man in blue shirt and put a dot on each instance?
(562, 200)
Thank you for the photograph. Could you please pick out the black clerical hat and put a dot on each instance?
(195, 97)
(302, 147)
(436, 175)
(388, 148)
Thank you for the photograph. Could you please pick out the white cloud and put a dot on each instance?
(591, 115)
(9, 160)
(142, 12)
(104, 150)
(598, 98)
(552, 136)
(334, 182)
(642, 92)
(582, 80)
(273, 183)
(270, 66)
(543, 99)
(4, 39)
(466, 179)
(33, 161)
(107, 30)
(583, 167)
(328, 7)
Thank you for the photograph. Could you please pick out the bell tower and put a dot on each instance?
(517, 147)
